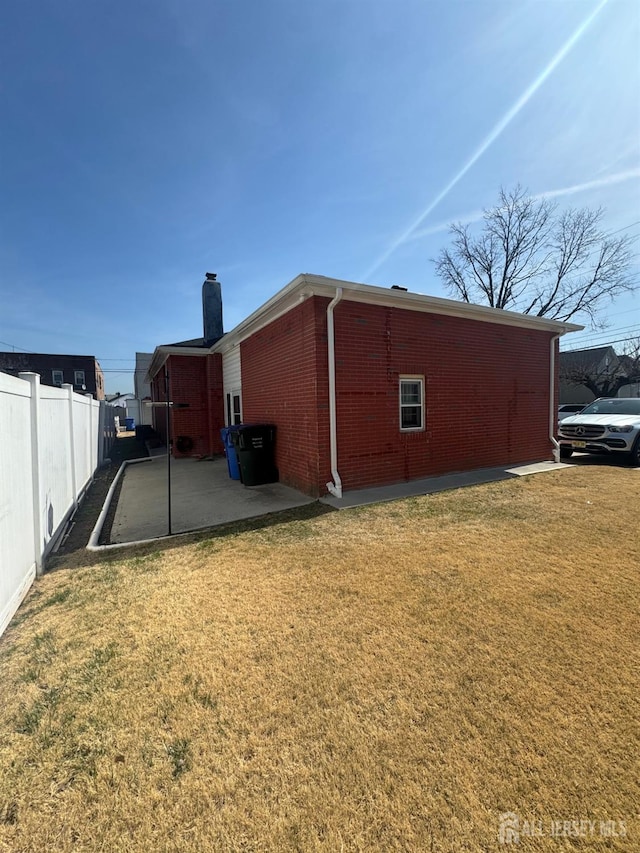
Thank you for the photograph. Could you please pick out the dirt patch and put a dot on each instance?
(124, 447)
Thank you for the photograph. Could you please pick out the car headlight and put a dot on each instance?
(620, 428)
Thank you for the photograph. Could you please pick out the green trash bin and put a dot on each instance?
(255, 447)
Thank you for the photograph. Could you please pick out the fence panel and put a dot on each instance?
(17, 533)
(84, 455)
(56, 474)
(51, 442)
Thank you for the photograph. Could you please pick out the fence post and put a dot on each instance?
(72, 445)
(101, 432)
(38, 534)
(92, 467)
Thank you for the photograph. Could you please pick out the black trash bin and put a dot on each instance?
(255, 447)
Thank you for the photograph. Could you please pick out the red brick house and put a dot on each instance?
(369, 386)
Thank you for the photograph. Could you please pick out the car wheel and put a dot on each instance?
(565, 452)
(635, 454)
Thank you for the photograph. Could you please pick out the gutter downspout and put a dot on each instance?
(552, 398)
(334, 487)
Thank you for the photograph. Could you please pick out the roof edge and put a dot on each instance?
(308, 284)
(162, 353)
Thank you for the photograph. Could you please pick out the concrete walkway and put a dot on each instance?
(202, 495)
(431, 485)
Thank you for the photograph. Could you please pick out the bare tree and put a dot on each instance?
(604, 377)
(532, 259)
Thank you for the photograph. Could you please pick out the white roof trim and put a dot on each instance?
(162, 353)
(306, 285)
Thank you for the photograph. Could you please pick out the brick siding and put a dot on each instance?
(44, 364)
(486, 394)
(284, 382)
(196, 380)
(486, 390)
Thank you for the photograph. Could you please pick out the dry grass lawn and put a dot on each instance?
(390, 678)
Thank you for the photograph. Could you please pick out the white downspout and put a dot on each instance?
(552, 398)
(335, 487)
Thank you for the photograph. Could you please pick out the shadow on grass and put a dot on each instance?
(83, 558)
(607, 460)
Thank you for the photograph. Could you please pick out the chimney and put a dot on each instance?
(211, 309)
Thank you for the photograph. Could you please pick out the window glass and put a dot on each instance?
(411, 417)
(57, 376)
(410, 392)
(616, 406)
(412, 403)
(237, 413)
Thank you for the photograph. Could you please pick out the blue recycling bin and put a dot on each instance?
(130, 424)
(230, 451)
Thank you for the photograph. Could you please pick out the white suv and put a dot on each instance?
(608, 425)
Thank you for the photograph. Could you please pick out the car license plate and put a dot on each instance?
(578, 443)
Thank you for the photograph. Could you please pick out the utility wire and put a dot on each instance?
(624, 228)
(604, 333)
(14, 347)
(604, 343)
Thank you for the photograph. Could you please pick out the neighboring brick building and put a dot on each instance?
(423, 386)
(81, 371)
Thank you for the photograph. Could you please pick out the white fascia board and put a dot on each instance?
(373, 295)
(280, 303)
(306, 285)
(161, 354)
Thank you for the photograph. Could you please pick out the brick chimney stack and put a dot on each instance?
(211, 309)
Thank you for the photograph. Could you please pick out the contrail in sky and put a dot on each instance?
(476, 215)
(504, 122)
(617, 178)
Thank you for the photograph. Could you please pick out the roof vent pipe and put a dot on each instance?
(335, 486)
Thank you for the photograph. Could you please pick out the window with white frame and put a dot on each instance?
(57, 377)
(237, 407)
(78, 377)
(411, 403)
(234, 407)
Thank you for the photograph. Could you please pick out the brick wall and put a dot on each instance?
(284, 382)
(158, 414)
(196, 380)
(44, 364)
(215, 399)
(486, 390)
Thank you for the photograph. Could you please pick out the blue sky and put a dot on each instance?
(145, 143)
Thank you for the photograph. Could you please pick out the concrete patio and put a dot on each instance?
(202, 495)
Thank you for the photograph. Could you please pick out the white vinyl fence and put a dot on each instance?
(51, 443)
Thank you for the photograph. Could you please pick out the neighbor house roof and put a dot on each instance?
(194, 342)
(115, 399)
(585, 359)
